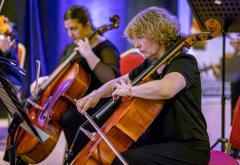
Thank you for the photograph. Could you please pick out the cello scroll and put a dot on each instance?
(115, 24)
(214, 28)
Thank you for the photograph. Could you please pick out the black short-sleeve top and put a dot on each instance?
(181, 118)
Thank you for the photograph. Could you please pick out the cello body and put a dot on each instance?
(71, 83)
(123, 128)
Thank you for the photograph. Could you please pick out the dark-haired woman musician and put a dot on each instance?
(100, 59)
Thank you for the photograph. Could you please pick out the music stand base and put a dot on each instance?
(220, 140)
(11, 147)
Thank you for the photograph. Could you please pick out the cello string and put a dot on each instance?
(96, 113)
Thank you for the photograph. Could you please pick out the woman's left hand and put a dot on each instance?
(122, 88)
(84, 47)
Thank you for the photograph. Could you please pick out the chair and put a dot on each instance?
(21, 54)
(221, 158)
(130, 60)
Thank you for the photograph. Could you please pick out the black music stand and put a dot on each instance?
(228, 13)
(19, 117)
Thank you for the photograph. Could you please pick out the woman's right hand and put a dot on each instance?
(41, 81)
(88, 101)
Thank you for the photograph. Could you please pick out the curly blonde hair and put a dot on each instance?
(155, 24)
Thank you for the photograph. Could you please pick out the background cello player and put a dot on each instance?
(99, 57)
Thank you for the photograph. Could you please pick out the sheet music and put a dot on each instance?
(12, 108)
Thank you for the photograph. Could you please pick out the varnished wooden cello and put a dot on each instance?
(68, 82)
(134, 115)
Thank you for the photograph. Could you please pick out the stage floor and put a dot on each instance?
(211, 107)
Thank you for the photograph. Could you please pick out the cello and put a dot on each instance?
(68, 82)
(134, 115)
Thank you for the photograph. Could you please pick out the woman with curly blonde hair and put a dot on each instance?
(156, 25)
(178, 135)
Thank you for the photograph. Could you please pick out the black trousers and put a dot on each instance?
(171, 153)
(72, 120)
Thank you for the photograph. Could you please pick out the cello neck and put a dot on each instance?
(57, 72)
(115, 24)
(60, 68)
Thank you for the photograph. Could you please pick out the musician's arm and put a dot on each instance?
(106, 61)
(107, 89)
(216, 70)
(165, 88)
(176, 78)
(107, 65)
(93, 98)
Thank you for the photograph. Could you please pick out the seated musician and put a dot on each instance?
(100, 59)
(232, 70)
(8, 50)
(178, 135)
